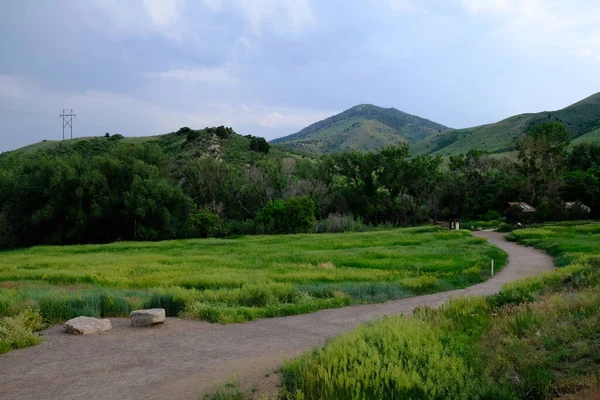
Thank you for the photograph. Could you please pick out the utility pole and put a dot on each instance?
(67, 116)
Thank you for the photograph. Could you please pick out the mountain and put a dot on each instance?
(364, 127)
(582, 119)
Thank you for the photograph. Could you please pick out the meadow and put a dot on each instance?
(536, 339)
(238, 279)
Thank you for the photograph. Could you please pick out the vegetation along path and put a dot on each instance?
(183, 359)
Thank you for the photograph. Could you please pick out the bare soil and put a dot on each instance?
(185, 359)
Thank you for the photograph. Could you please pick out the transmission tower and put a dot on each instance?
(67, 116)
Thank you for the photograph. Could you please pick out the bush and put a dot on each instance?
(335, 223)
(296, 215)
(18, 331)
(223, 132)
(259, 144)
(192, 135)
(229, 391)
(204, 223)
(235, 227)
(116, 136)
(184, 131)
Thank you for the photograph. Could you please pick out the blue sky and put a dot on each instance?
(271, 67)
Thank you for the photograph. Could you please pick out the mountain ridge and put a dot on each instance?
(363, 127)
(580, 118)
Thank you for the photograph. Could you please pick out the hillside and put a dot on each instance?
(364, 127)
(581, 118)
(178, 145)
(593, 136)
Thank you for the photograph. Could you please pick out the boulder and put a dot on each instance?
(148, 317)
(87, 325)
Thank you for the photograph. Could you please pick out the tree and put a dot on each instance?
(424, 184)
(585, 156)
(223, 132)
(204, 223)
(107, 135)
(259, 145)
(391, 175)
(296, 215)
(542, 160)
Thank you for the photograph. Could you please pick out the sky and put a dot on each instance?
(271, 67)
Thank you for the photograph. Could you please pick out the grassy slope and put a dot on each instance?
(350, 134)
(581, 118)
(537, 339)
(365, 127)
(233, 150)
(592, 137)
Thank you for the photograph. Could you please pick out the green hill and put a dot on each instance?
(581, 118)
(593, 136)
(180, 146)
(364, 127)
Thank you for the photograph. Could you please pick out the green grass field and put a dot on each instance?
(536, 339)
(236, 280)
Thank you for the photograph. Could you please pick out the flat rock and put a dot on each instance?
(87, 325)
(148, 317)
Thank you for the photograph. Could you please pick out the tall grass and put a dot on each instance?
(394, 358)
(235, 280)
(537, 339)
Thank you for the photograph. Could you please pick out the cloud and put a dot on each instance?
(280, 17)
(135, 17)
(287, 119)
(162, 12)
(218, 76)
(537, 24)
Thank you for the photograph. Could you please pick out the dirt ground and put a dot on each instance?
(186, 359)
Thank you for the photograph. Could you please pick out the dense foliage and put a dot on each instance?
(190, 185)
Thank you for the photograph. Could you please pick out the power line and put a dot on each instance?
(67, 116)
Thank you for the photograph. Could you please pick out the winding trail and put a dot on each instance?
(184, 359)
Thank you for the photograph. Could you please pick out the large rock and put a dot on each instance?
(87, 325)
(148, 317)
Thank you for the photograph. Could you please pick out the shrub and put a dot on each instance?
(223, 132)
(300, 214)
(19, 331)
(296, 215)
(184, 131)
(116, 136)
(235, 227)
(337, 223)
(229, 391)
(204, 223)
(192, 135)
(259, 144)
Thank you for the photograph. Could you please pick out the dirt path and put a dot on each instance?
(184, 359)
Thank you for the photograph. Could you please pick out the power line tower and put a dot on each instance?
(67, 116)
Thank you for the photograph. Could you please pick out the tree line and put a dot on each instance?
(138, 192)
